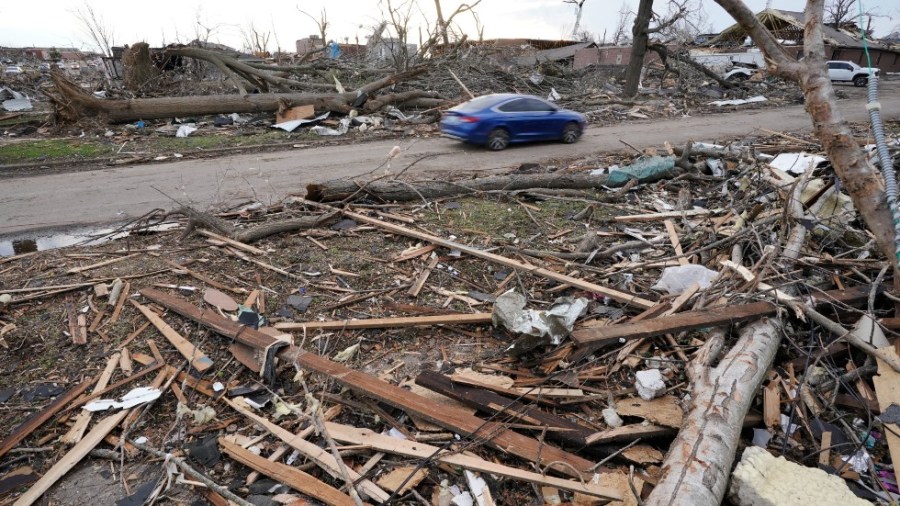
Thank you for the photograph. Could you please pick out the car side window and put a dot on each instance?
(517, 105)
(833, 65)
(533, 105)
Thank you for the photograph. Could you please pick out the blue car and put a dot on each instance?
(496, 121)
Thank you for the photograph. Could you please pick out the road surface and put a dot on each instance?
(105, 195)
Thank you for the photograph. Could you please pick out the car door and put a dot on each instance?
(514, 115)
(840, 71)
(542, 121)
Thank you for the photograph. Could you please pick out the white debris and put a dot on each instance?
(477, 486)
(185, 130)
(554, 95)
(649, 384)
(218, 386)
(740, 101)
(612, 419)
(136, 397)
(555, 322)
(290, 126)
(677, 279)
(796, 163)
(763, 480)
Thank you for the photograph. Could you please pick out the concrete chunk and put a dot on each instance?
(763, 480)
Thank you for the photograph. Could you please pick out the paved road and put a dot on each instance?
(111, 194)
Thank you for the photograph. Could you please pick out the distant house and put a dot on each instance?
(385, 48)
(788, 26)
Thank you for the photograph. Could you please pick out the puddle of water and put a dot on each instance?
(28, 242)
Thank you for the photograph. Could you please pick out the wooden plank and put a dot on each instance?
(623, 297)
(631, 432)
(423, 277)
(454, 419)
(203, 278)
(387, 444)
(318, 455)
(123, 296)
(72, 317)
(80, 336)
(384, 323)
(197, 358)
(290, 476)
(492, 403)
(825, 449)
(665, 410)
(596, 337)
(104, 263)
(673, 238)
(887, 389)
(76, 432)
(39, 418)
(690, 320)
(239, 245)
(690, 213)
(71, 459)
(407, 476)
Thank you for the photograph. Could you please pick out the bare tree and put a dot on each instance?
(579, 7)
(620, 36)
(697, 465)
(256, 41)
(838, 12)
(96, 28)
(321, 23)
(641, 31)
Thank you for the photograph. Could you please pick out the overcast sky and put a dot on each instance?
(53, 23)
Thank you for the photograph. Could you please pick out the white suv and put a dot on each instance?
(847, 71)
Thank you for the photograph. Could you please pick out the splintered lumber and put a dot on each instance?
(492, 403)
(623, 297)
(104, 263)
(197, 359)
(689, 320)
(663, 216)
(453, 419)
(76, 432)
(887, 389)
(72, 458)
(450, 418)
(384, 323)
(237, 244)
(596, 337)
(39, 418)
(318, 455)
(407, 448)
(290, 476)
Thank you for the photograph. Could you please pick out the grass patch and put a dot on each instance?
(52, 149)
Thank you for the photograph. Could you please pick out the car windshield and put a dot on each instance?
(476, 104)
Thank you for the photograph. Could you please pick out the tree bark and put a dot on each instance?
(399, 191)
(138, 67)
(71, 102)
(255, 233)
(640, 39)
(698, 464)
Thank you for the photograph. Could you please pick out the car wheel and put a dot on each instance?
(860, 81)
(571, 133)
(498, 139)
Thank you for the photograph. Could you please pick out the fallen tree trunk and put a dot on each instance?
(394, 190)
(71, 103)
(255, 233)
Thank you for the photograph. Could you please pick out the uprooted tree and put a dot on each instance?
(641, 32)
(697, 467)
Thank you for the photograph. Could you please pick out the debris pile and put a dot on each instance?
(447, 345)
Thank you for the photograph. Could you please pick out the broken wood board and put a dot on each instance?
(887, 389)
(239, 245)
(76, 432)
(493, 403)
(663, 410)
(290, 476)
(394, 480)
(39, 418)
(455, 420)
(104, 263)
(627, 433)
(294, 113)
(619, 296)
(388, 444)
(397, 322)
(596, 337)
(197, 358)
(423, 277)
(320, 456)
(72, 458)
(691, 213)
